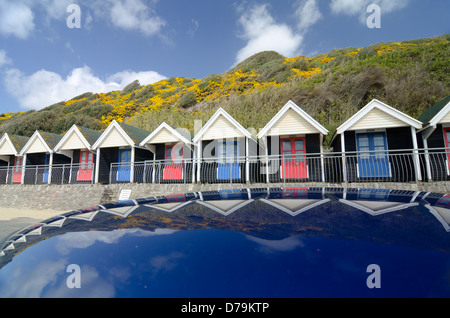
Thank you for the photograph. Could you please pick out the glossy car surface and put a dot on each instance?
(270, 242)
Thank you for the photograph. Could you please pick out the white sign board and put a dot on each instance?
(124, 195)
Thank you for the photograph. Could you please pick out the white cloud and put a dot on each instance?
(359, 7)
(16, 19)
(308, 14)
(263, 33)
(44, 88)
(4, 60)
(135, 15)
(193, 28)
(126, 77)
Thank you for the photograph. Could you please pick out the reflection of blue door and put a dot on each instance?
(230, 194)
(373, 160)
(228, 167)
(46, 162)
(124, 167)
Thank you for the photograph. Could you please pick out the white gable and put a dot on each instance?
(222, 128)
(292, 123)
(445, 119)
(378, 115)
(6, 149)
(113, 139)
(163, 136)
(377, 118)
(37, 146)
(73, 141)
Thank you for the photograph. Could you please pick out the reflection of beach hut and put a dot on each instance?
(295, 200)
(118, 148)
(441, 211)
(172, 149)
(229, 202)
(435, 136)
(293, 140)
(39, 158)
(10, 161)
(223, 148)
(76, 144)
(376, 201)
(378, 143)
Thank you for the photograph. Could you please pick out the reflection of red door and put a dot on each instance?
(293, 158)
(17, 172)
(173, 168)
(86, 166)
(295, 192)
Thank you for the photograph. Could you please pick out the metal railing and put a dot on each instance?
(43, 174)
(410, 165)
(400, 166)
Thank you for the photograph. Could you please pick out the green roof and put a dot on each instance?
(433, 110)
(50, 138)
(18, 141)
(90, 134)
(136, 134)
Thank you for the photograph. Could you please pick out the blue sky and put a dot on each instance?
(43, 61)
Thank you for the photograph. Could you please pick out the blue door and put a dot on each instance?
(124, 167)
(228, 167)
(373, 160)
(46, 162)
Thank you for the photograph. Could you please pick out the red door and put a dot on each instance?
(293, 158)
(447, 145)
(17, 172)
(86, 166)
(173, 168)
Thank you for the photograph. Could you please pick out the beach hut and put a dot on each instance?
(172, 149)
(293, 145)
(10, 160)
(39, 158)
(76, 144)
(378, 143)
(435, 140)
(224, 149)
(117, 149)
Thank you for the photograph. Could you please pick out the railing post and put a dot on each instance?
(344, 161)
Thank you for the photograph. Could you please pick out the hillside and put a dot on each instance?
(410, 76)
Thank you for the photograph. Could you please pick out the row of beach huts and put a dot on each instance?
(378, 143)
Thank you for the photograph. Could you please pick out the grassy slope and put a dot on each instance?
(410, 76)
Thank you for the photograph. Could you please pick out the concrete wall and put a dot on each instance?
(73, 197)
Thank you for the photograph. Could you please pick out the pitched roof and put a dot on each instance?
(181, 134)
(291, 105)
(50, 140)
(233, 121)
(383, 107)
(136, 134)
(133, 135)
(90, 134)
(18, 141)
(428, 115)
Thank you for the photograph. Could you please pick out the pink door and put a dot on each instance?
(173, 168)
(294, 158)
(86, 166)
(17, 172)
